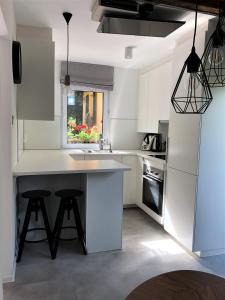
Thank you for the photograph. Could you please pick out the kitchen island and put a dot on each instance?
(100, 180)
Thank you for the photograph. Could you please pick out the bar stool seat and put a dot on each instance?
(68, 202)
(35, 204)
(34, 194)
(69, 193)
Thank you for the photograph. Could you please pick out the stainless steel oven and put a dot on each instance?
(153, 181)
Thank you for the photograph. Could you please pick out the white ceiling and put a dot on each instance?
(86, 45)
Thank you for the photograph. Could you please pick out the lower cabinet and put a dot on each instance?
(139, 180)
(130, 180)
(179, 218)
(130, 177)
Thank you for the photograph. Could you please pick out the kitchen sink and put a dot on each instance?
(98, 152)
(88, 151)
(92, 151)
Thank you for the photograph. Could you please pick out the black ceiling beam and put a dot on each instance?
(205, 6)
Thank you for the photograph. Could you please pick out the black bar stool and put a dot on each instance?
(35, 204)
(68, 202)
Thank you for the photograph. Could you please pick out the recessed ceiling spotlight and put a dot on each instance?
(129, 52)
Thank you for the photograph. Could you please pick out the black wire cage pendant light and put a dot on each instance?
(192, 94)
(67, 16)
(213, 55)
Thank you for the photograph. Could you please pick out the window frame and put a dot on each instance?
(64, 117)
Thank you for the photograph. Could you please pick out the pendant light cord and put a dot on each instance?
(68, 44)
(196, 21)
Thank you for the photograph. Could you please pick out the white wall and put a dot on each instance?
(122, 116)
(8, 142)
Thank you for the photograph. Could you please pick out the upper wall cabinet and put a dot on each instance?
(143, 99)
(154, 97)
(35, 98)
(123, 98)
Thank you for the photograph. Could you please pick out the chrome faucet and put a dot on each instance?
(101, 144)
(110, 147)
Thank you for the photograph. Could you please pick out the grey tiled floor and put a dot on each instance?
(147, 252)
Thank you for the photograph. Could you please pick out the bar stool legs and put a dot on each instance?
(34, 205)
(67, 203)
(47, 227)
(24, 231)
(79, 225)
(58, 227)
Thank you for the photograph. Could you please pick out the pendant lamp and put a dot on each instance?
(67, 16)
(213, 56)
(192, 94)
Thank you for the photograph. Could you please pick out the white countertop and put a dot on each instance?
(143, 154)
(41, 162)
(114, 152)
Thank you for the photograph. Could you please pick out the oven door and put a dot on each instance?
(152, 195)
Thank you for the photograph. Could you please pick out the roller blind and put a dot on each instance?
(89, 75)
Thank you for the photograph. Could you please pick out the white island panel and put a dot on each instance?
(104, 211)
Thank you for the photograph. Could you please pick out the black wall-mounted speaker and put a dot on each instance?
(17, 62)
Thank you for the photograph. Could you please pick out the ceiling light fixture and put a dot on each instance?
(213, 55)
(129, 52)
(197, 96)
(67, 16)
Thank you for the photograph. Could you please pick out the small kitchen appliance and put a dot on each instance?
(152, 142)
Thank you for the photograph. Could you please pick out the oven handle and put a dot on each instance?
(151, 177)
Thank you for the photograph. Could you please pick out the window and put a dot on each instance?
(84, 117)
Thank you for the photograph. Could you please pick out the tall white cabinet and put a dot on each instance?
(183, 154)
(195, 193)
(154, 95)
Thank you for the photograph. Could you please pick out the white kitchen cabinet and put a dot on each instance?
(142, 122)
(184, 130)
(153, 112)
(160, 91)
(35, 95)
(123, 98)
(129, 177)
(139, 180)
(130, 180)
(179, 207)
(154, 97)
(183, 142)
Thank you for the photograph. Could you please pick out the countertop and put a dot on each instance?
(41, 162)
(143, 154)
